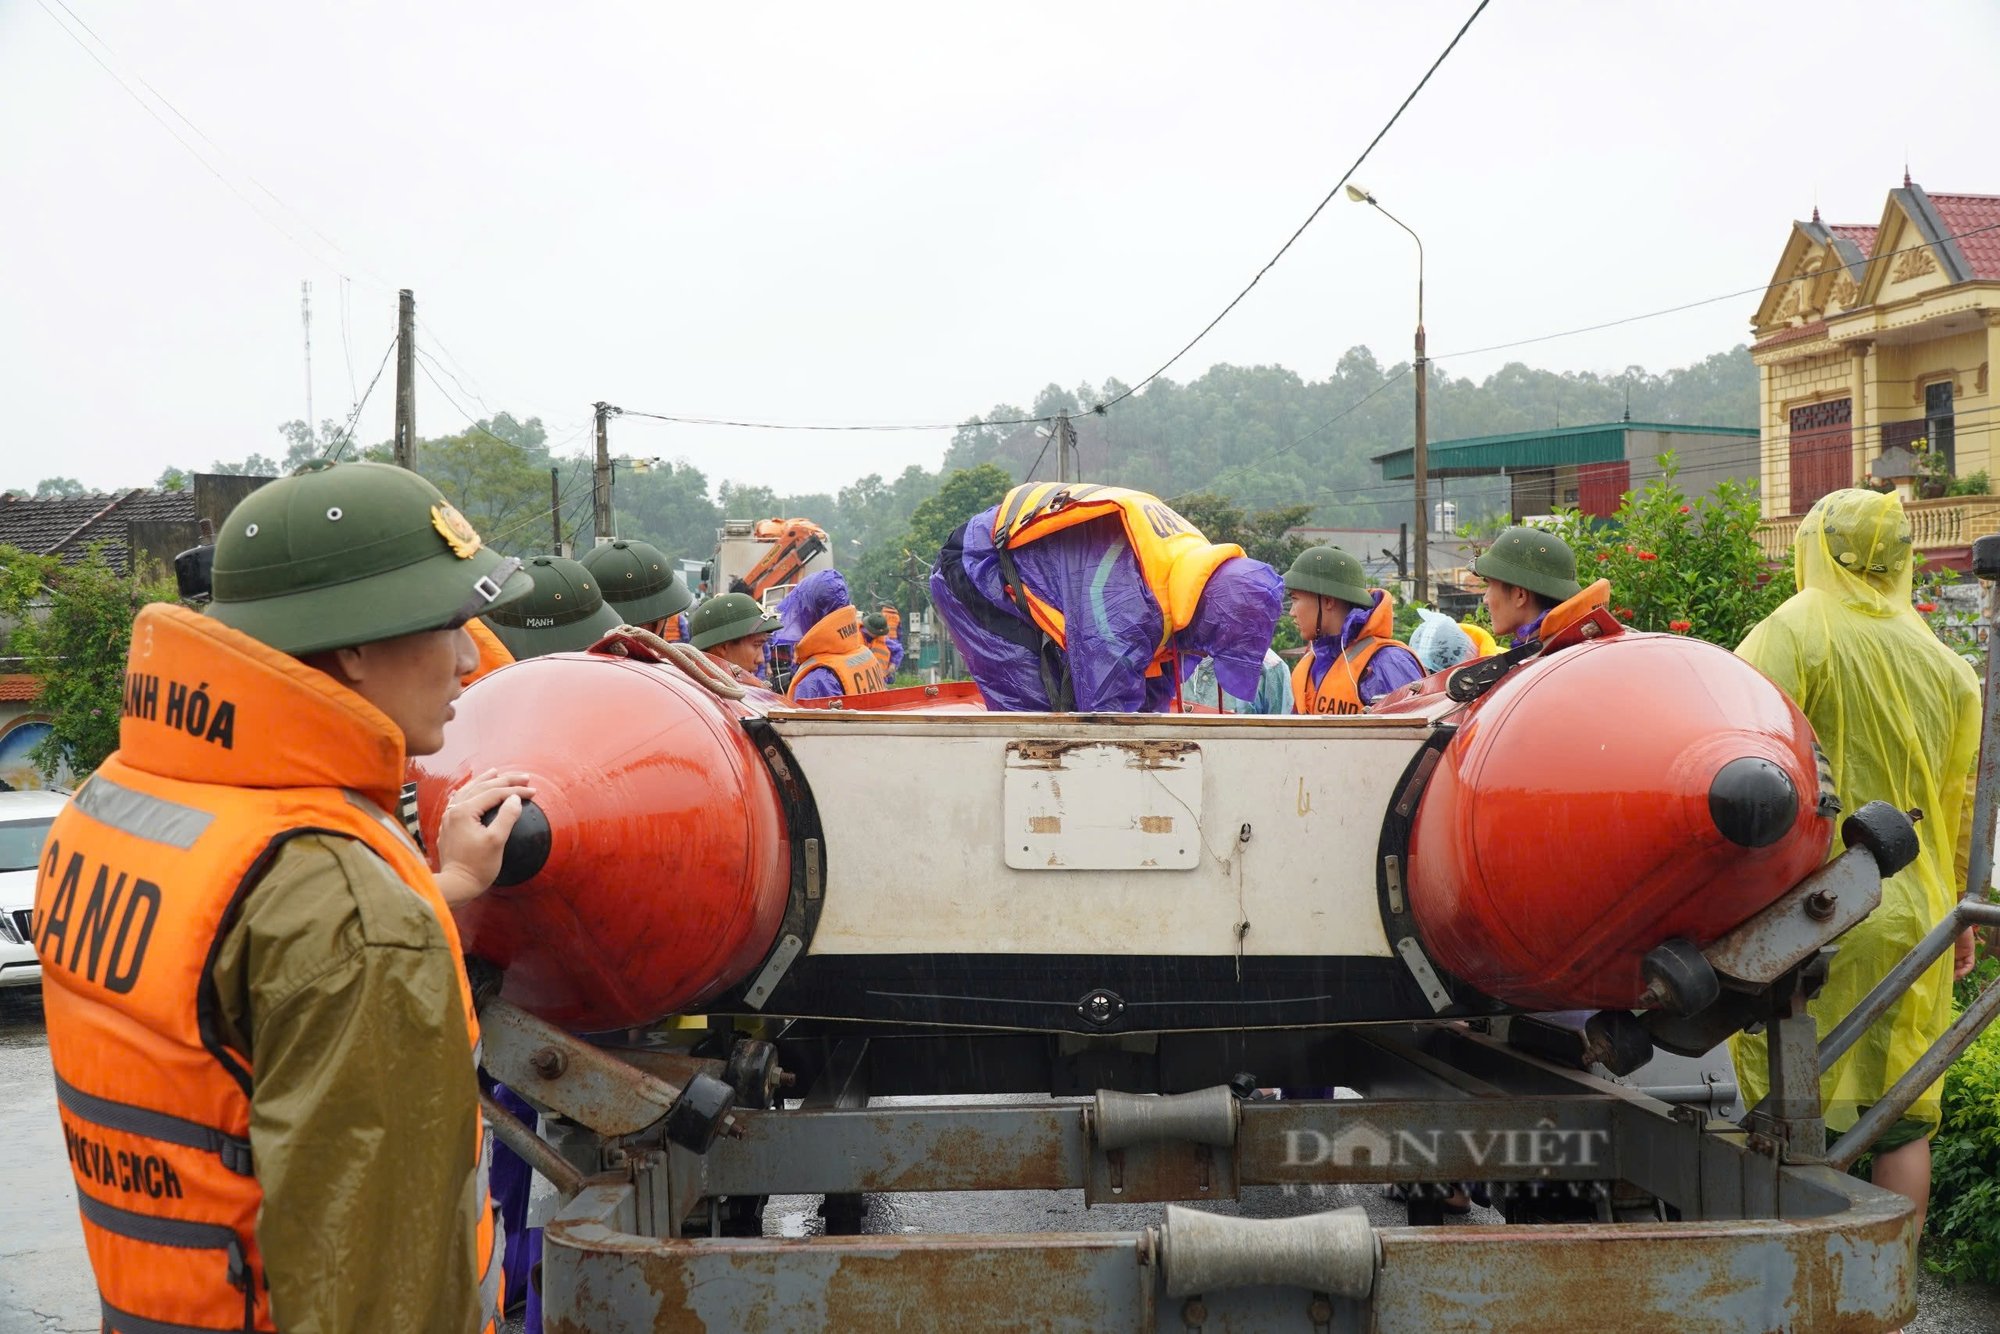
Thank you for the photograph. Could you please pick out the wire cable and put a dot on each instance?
(231, 186)
(858, 426)
(1300, 440)
(1101, 408)
(475, 423)
(1705, 301)
(338, 445)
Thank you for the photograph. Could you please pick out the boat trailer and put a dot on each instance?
(1616, 1200)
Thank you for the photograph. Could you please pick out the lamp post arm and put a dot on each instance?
(1420, 256)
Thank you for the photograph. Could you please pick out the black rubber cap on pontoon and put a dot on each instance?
(1753, 802)
(527, 846)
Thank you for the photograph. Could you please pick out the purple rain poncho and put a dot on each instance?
(1392, 667)
(817, 597)
(1088, 572)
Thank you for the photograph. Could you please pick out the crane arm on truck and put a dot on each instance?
(794, 543)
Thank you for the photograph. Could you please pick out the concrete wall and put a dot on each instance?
(1704, 461)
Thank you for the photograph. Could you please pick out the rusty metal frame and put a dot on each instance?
(1761, 1243)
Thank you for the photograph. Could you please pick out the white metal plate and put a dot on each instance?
(1124, 805)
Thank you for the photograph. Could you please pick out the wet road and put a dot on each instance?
(45, 1282)
(45, 1285)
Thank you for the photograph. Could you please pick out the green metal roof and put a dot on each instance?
(1553, 448)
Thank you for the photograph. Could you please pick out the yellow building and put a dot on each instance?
(1877, 339)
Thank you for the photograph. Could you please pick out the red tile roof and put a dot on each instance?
(1804, 331)
(1962, 214)
(1862, 234)
(18, 689)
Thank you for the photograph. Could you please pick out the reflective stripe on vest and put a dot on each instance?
(142, 816)
(144, 1121)
(835, 643)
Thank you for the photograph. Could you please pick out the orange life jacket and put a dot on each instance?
(1585, 616)
(228, 748)
(493, 654)
(1339, 691)
(1174, 558)
(835, 642)
(880, 648)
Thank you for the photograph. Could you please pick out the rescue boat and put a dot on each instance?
(1568, 831)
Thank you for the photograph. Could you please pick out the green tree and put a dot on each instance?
(1675, 564)
(669, 506)
(58, 488)
(76, 647)
(1264, 535)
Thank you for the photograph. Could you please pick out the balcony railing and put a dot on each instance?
(1935, 525)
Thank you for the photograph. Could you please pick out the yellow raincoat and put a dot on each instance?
(1897, 714)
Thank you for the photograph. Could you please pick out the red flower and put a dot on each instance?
(1622, 613)
(1927, 607)
(1648, 555)
(1684, 509)
(1680, 627)
(1628, 551)
(1604, 555)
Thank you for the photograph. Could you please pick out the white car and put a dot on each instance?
(24, 826)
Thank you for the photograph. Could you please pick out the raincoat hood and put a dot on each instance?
(1854, 545)
(1234, 621)
(818, 596)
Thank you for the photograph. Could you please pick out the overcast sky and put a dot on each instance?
(866, 213)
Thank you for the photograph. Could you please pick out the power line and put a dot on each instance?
(1355, 166)
(338, 445)
(193, 152)
(476, 424)
(1295, 443)
(1705, 301)
(1380, 494)
(859, 426)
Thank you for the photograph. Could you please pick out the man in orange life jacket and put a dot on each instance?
(1354, 658)
(1528, 573)
(882, 642)
(262, 1033)
(823, 628)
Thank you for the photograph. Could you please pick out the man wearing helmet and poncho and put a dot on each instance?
(1897, 714)
(1353, 658)
(289, 1039)
(1081, 597)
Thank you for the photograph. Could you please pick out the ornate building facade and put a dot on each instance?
(1879, 339)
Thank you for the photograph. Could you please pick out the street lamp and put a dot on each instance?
(1419, 456)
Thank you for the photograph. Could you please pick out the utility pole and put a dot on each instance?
(1420, 458)
(306, 314)
(600, 481)
(555, 513)
(406, 379)
(1065, 449)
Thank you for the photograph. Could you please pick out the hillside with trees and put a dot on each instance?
(1251, 449)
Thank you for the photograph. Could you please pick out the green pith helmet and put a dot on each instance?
(637, 581)
(876, 624)
(339, 554)
(564, 612)
(1532, 559)
(1330, 572)
(731, 616)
